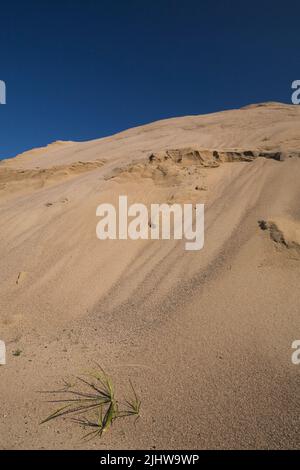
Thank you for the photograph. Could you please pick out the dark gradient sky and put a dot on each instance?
(78, 70)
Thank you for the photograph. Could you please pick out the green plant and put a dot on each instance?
(93, 405)
(17, 352)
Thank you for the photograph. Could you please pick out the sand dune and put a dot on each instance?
(205, 336)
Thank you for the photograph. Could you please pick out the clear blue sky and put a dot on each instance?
(78, 70)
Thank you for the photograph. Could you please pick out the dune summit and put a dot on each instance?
(204, 335)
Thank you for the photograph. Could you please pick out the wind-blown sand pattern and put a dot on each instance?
(205, 336)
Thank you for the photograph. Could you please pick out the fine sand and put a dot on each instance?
(205, 336)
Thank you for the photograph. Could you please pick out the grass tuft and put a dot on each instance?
(92, 404)
(17, 352)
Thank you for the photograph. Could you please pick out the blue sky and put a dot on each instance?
(78, 70)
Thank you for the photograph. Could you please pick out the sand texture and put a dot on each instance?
(204, 335)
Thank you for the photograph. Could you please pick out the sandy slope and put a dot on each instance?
(205, 336)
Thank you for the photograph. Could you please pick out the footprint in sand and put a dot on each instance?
(283, 231)
(60, 201)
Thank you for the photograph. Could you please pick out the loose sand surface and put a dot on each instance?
(205, 336)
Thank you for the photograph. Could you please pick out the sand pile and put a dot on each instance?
(205, 336)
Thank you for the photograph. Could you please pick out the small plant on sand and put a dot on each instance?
(93, 404)
(17, 352)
